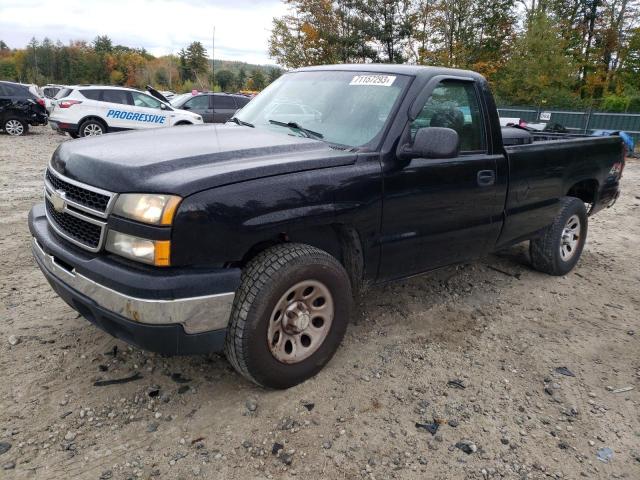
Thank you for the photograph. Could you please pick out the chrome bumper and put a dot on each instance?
(195, 314)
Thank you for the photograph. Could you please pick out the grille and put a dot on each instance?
(87, 198)
(76, 228)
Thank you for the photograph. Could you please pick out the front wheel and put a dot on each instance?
(15, 127)
(559, 248)
(289, 315)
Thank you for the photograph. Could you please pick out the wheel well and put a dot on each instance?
(92, 117)
(339, 240)
(585, 190)
(183, 122)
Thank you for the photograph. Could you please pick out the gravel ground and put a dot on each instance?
(452, 375)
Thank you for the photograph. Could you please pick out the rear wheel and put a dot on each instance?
(92, 128)
(15, 127)
(289, 315)
(558, 250)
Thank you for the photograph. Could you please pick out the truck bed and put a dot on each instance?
(544, 171)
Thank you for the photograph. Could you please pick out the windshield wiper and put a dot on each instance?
(237, 121)
(295, 126)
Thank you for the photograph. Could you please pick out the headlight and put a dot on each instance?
(147, 208)
(153, 252)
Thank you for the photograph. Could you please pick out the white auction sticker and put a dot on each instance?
(379, 80)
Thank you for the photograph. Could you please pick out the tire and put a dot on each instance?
(264, 318)
(15, 127)
(92, 128)
(559, 248)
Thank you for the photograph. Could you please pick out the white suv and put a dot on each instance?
(84, 110)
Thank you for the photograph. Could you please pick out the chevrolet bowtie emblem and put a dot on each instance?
(57, 200)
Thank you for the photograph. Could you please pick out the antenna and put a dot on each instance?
(213, 73)
(213, 56)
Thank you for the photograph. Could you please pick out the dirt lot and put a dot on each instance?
(472, 349)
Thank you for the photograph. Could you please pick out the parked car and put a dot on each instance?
(89, 110)
(251, 237)
(20, 107)
(213, 107)
(49, 92)
(168, 94)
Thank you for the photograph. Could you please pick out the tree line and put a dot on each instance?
(102, 62)
(559, 53)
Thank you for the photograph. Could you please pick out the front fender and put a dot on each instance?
(222, 225)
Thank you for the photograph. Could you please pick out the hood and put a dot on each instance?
(187, 159)
(157, 94)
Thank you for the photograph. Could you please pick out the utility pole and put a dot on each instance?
(213, 56)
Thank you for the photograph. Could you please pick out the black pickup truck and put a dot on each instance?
(253, 237)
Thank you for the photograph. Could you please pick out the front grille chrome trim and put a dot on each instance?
(60, 231)
(98, 213)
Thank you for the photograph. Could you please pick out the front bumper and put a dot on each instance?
(172, 312)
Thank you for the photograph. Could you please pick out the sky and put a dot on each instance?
(161, 26)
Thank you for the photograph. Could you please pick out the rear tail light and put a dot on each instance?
(522, 123)
(40, 102)
(68, 103)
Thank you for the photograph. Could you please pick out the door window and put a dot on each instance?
(223, 103)
(116, 96)
(142, 100)
(241, 101)
(91, 94)
(200, 102)
(454, 104)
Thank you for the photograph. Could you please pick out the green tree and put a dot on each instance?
(273, 74)
(388, 23)
(538, 70)
(226, 79)
(242, 78)
(102, 44)
(257, 79)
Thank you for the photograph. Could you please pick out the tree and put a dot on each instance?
(538, 71)
(257, 79)
(273, 74)
(226, 79)
(388, 23)
(102, 44)
(242, 78)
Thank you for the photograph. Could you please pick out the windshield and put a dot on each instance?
(346, 108)
(179, 99)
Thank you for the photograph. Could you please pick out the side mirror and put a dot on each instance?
(433, 142)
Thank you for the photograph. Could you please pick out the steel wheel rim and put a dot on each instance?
(570, 238)
(92, 130)
(14, 127)
(300, 322)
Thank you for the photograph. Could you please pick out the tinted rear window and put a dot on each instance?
(91, 94)
(116, 96)
(223, 102)
(241, 101)
(12, 89)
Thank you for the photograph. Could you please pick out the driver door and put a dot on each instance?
(149, 112)
(439, 211)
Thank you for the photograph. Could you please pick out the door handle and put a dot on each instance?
(486, 178)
